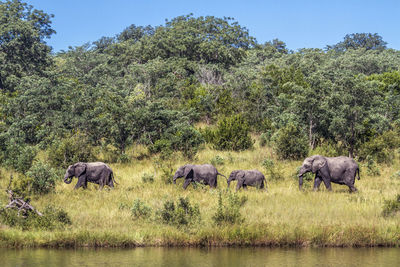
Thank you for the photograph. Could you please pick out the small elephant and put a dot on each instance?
(339, 170)
(247, 178)
(93, 172)
(205, 174)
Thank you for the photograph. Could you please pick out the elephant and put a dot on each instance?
(247, 178)
(205, 174)
(339, 170)
(93, 172)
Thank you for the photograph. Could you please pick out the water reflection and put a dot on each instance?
(207, 257)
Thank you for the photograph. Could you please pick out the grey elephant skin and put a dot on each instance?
(205, 174)
(92, 172)
(247, 178)
(339, 170)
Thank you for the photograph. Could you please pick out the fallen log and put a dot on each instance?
(21, 205)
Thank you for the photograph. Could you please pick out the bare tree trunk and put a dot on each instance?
(311, 138)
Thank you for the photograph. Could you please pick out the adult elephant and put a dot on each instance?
(205, 174)
(339, 170)
(92, 172)
(247, 178)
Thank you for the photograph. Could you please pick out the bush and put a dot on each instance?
(291, 143)
(70, 150)
(148, 178)
(264, 139)
(370, 165)
(217, 160)
(181, 137)
(42, 178)
(140, 209)
(380, 148)
(15, 154)
(229, 213)
(273, 173)
(396, 175)
(167, 170)
(179, 214)
(53, 218)
(232, 133)
(391, 207)
(328, 149)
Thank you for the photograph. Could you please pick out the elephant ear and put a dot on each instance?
(239, 175)
(80, 169)
(318, 163)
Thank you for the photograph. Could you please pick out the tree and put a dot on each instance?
(203, 39)
(367, 41)
(135, 33)
(232, 133)
(355, 106)
(23, 50)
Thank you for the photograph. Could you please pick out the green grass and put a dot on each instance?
(282, 217)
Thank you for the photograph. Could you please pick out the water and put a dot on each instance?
(177, 257)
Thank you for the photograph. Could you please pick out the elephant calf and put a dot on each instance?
(247, 178)
(339, 170)
(93, 172)
(205, 174)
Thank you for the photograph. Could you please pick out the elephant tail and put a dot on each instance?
(358, 171)
(113, 178)
(221, 175)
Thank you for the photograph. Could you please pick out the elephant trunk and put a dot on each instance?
(67, 180)
(229, 181)
(300, 181)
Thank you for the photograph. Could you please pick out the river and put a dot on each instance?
(199, 257)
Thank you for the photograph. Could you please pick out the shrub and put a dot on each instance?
(328, 149)
(380, 148)
(167, 170)
(179, 214)
(70, 150)
(140, 209)
(180, 137)
(291, 143)
(229, 213)
(148, 178)
(42, 178)
(370, 165)
(53, 218)
(391, 207)
(264, 139)
(217, 160)
(232, 133)
(396, 175)
(15, 154)
(273, 173)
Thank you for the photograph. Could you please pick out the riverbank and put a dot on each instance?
(282, 217)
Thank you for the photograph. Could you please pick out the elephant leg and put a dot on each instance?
(317, 182)
(186, 184)
(327, 184)
(239, 185)
(352, 188)
(81, 182)
(245, 187)
(260, 185)
(101, 185)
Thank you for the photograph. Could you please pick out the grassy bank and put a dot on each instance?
(282, 217)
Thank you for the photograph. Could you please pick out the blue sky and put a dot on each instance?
(299, 24)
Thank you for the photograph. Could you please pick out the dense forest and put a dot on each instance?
(190, 82)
